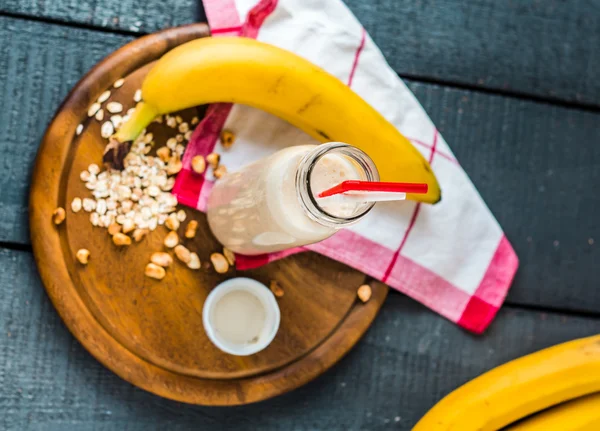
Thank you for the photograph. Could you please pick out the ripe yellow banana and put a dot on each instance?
(253, 73)
(519, 388)
(582, 414)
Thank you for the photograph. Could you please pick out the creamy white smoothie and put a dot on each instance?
(272, 204)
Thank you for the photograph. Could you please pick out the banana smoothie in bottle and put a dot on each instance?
(271, 205)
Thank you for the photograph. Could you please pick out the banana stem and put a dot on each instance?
(141, 117)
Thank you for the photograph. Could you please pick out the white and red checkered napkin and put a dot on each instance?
(452, 257)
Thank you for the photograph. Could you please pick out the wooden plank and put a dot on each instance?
(408, 360)
(547, 49)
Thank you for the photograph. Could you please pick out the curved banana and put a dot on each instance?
(519, 388)
(582, 414)
(245, 71)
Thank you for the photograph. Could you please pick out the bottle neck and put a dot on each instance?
(311, 167)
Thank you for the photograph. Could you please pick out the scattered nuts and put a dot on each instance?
(194, 121)
(184, 127)
(190, 230)
(118, 83)
(172, 222)
(137, 96)
(181, 215)
(99, 115)
(114, 228)
(276, 289)
(171, 143)
(79, 129)
(139, 234)
(155, 271)
(171, 122)
(164, 154)
(114, 107)
(120, 239)
(227, 138)
(76, 205)
(229, 255)
(171, 240)
(174, 165)
(104, 96)
(183, 254)
(161, 258)
(188, 135)
(220, 171)
(83, 256)
(194, 262)
(364, 292)
(198, 164)
(213, 160)
(178, 119)
(219, 262)
(179, 137)
(58, 216)
(93, 109)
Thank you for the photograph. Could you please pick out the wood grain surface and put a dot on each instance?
(535, 164)
(543, 48)
(151, 332)
(408, 360)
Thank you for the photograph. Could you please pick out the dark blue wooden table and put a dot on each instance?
(512, 85)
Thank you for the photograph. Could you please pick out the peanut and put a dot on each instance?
(120, 239)
(213, 160)
(183, 254)
(172, 222)
(114, 228)
(58, 216)
(219, 262)
(220, 171)
(171, 240)
(276, 289)
(227, 138)
(82, 256)
(190, 230)
(139, 234)
(194, 262)
(364, 292)
(161, 258)
(155, 271)
(229, 255)
(199, 164)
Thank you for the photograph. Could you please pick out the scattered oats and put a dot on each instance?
(178, 119)
(229, 255)
(227, 138)
(276, 289)
(220, 171)
(114, 107)
(101, 206)
(89, 205)
(93, 109)
(179, 137)
(172, 223)
(155, 271)
(104, 96)
(120, 239)
(182, 253)
(190, 230)
(213, 160)
(181, 215)
(83, 256)
(161, 258)
(137, 96)
(117, 120)
(171, 240)
(195, 120)
(171, 122)
(199, 164)
(194, 262)
(79, 129)
(58, 216)
(171, 143)
(93, 169)
(364, 292)
(139, 234)
(164, 154)
(118, 83)
(100, 115)
(114, 228)
(184, 127)
(76, 205)
(219, 263)
(95, 219)
(188, 135)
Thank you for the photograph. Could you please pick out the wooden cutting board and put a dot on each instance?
(150, 332)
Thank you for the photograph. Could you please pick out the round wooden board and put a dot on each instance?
(150, 332)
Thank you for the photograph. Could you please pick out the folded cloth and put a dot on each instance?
(453, 257)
